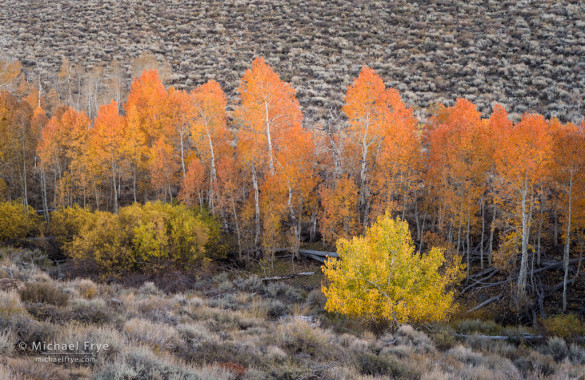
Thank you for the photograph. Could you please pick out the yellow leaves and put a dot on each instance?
(17, 221)
(145, 237)
(505, 258)
(380, 277)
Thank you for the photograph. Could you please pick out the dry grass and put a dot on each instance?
(238, 334)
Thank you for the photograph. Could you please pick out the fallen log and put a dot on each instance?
(525, 337)
(277, 278)
(320, 256)
(486, 302)
(522, 337)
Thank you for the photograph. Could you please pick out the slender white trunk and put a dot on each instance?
(237, 229)
(44, 194)
(257, 207)
(492, 229)
(567, 243)
(270, 159)
(523, 274)
(363, 176)
(182, 155)
(114, 188)
(213, 174)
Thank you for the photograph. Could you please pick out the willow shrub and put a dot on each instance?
(17, 221)
(144, 238)
(380, 277)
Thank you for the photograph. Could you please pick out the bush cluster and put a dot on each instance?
(564, 326)
(144, 238)
(17, 221)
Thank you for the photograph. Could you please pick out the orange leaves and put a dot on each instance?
(63, 149)
(268, 113)
(193, 185)
(108, 131)
(209, 103)
(365, 100)
(64, 136)
(147, 94)
(272, 142)
(163, 167)
(381, 142)
(455, 141)
(339, 218)
(209, 130)
(107, 144)
(525, 155)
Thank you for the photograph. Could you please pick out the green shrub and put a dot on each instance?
(374, 365)
(276, 309)
(316, 300)
(87, 289)
(43, 292)
(17, 221)
(143, 364)
(88, 311)
(250, 284)
(557, 348)
(46, 312)
(564, 326)
(577, 354)
(27, 329)
(443, 337)
(7, 342)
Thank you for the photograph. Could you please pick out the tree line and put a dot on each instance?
(501, 194)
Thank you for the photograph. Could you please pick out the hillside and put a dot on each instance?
(527, 55)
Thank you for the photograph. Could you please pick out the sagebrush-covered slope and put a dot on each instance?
(527, 55)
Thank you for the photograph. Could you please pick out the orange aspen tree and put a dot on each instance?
(147, 96)
(18, 143)
(134, 147)
(231, 187)
(398, 163)
(193, 185)
(63, 149)
(268, 113)
(568, 167)
(209, 133)
(10, 74)
(458, 165)
(163, 168)
(107, 143)
(368, 106)
(498, 128)
(296, 159)
(339, 217)
(179, 115)
(523, 163)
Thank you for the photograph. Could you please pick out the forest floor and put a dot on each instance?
(227, 323)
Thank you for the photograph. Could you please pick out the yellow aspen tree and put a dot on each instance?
(381, 278)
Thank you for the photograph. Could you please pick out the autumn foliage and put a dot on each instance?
(380, 277)
(144, 238)
(501, 193)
